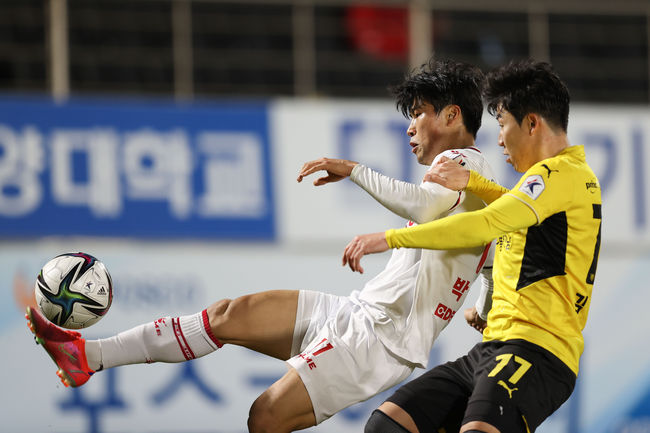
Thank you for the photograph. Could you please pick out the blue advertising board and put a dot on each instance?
(127, 169)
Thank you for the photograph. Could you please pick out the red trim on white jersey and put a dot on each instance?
(473, 148)
(178, 333)
(208, 330)
(457, 201)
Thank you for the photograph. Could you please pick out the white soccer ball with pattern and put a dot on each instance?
(74, 290)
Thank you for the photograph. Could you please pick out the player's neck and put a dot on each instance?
(552, 145)
(461, 139)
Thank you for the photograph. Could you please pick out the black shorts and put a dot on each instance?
(512, 385)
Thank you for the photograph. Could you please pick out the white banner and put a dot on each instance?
(616, 139)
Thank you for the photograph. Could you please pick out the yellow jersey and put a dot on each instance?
(548, 240)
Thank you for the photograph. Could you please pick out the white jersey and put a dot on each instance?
(419, 291)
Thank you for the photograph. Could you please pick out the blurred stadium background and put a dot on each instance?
(165, 136)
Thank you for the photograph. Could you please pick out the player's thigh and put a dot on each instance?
(436, 399)
(345, 363)
(262, 321)
(517, 386)
(284, 406)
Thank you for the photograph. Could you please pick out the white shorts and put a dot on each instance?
(338, 356)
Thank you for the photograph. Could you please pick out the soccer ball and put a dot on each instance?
(74, 290)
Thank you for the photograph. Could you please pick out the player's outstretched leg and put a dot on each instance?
(66, 348)
(263, 322)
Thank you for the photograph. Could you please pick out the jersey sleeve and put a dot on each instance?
(468, 229)
(418, 203)
(485, 189)
(543, 188)
(484, 301)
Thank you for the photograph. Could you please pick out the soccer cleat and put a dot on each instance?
(66, 348)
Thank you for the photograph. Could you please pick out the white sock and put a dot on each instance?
(167, 339)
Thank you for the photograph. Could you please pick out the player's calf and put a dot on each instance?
(168, 339)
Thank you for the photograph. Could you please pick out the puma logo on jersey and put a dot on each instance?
(549, 170)
(591, 186)
(510, 391)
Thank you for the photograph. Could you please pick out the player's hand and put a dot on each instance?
(449, 174)
(474, 320)
(336, 169)
(362, 245)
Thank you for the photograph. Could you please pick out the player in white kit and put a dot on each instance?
(340, 349)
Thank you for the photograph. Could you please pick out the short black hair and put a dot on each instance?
(443, 83)
(528, 86)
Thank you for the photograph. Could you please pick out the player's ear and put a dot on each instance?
(532, 122)
(452, 112)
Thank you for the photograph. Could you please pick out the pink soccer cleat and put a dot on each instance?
(66, 348)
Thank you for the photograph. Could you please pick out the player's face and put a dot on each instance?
(514, 140)
(426, 131)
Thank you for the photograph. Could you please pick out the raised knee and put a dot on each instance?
(224, 310)
(218, 309)
(218, 319)
(219, 312)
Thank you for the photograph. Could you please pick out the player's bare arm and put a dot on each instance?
(362, 245)
(449, 174)
(336, 169)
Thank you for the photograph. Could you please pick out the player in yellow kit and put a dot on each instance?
(548, 239)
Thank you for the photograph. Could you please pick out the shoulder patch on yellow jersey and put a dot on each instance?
(533, 186)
